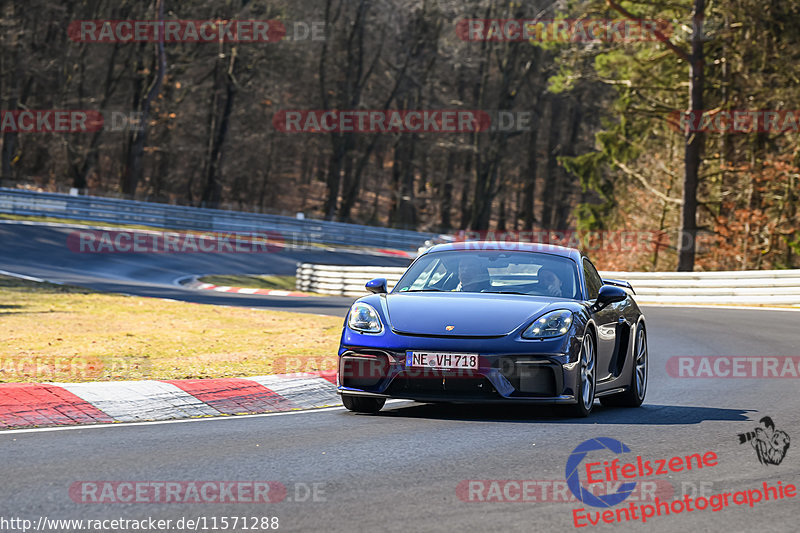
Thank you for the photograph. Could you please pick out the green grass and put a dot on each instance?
(69, 334)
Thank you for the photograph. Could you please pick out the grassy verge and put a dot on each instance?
(59, 333)
(283, 283)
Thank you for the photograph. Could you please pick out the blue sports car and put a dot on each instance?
(495, 322)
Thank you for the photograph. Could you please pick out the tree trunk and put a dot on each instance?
(218, 129)
(463, 220)
(694, 147)
(501, 216)
(446, 194)
(138, 138)
(10, 137)
(404, 211)
(551, 179)
(568, 142)
(334, 177)
(81, 173)
(529, 190)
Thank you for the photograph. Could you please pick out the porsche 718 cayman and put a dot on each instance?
(487, 322)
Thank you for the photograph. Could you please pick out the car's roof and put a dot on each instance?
(502, 246)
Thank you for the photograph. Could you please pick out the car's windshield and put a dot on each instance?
(493, 272)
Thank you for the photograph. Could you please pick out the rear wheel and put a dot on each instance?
(362, 404)
(634, 396)
(587, 379)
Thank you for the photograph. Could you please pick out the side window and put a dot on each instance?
(593, 280)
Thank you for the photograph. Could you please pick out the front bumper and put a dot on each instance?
(500, 377)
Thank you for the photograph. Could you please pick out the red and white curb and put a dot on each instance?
(58, 404)
(241, 290)
(397, 253)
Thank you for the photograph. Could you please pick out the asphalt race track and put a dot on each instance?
(399, 470)
(42, 251)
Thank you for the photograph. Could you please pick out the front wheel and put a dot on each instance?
(362, 404)
(634, 395)
(587, 380)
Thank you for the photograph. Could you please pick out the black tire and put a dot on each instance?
(637, 388)
(587, 386)
(362, 404)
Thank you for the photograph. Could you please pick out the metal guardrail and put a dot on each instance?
(769, 287)
(173, 217)
(342, 281)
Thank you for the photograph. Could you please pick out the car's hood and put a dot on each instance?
(471, 314)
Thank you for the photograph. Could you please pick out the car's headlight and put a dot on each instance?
(550, 325)
(364, 318)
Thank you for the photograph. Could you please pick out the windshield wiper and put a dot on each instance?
(508, 292)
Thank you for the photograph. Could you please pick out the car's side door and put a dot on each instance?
(606, 320)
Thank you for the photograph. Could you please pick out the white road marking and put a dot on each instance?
(182, 421)
(29, 278)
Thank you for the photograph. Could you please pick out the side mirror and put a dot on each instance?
(619, 283)
(378, 286)
(610, 294)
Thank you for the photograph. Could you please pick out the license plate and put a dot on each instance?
(442, 360)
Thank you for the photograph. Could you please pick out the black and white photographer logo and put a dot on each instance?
(769, 443)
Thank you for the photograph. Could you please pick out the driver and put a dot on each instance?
(472, 276)
(550, 282)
